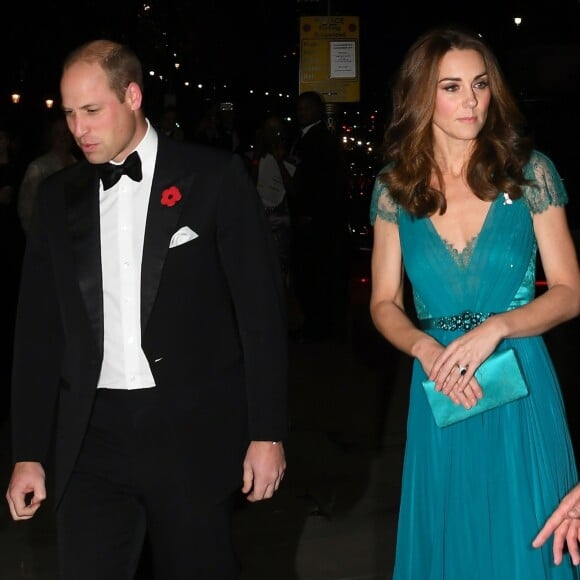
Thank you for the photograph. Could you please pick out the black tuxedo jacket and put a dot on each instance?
(212, 316)
(319, 183)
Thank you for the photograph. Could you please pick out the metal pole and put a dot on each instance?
(331, 111)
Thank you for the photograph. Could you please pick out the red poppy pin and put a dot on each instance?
(170, 196)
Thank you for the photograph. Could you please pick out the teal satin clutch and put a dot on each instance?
(501, 380)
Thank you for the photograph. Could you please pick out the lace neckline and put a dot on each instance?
(463, 257)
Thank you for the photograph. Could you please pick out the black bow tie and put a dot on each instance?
(111, 173)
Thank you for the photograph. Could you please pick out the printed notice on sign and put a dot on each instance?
(329, 57)
(343, 60)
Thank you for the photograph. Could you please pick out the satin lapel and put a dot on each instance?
(82, 214)
(162, 222)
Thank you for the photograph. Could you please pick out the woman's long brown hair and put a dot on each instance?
(501, 150)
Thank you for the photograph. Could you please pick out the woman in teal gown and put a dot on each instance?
(475, 493)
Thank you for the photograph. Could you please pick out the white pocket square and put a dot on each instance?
(181, 236)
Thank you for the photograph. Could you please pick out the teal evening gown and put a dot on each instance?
(476, 493)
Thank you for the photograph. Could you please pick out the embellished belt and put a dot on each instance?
(465, 321)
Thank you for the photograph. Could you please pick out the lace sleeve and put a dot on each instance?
(548, 188)
(382, 204)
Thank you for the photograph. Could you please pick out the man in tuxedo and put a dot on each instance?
(319, 266)
(150, 361)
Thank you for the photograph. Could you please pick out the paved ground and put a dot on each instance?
(334, 518)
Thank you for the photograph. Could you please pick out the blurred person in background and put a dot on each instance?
(218, 128)
(319, 265)
(12, 243)
(273, 174)
(169, 124)
(61, 152)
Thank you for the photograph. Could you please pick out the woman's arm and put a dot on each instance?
(387, 306)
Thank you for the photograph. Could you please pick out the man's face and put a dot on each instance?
(104, 128)
(307, 112)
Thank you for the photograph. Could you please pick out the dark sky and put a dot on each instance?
(246, 42)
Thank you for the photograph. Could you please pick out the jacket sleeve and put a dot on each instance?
(253, 272)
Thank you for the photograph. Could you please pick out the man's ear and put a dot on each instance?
(134, 96)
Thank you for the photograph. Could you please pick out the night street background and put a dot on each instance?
(256, 44)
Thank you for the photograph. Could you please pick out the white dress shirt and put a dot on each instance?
(305, 130)
(123, 211)
(270, 184)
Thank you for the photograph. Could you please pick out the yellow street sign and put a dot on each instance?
(329, 57)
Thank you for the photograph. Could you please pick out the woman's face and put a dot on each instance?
(463, 95)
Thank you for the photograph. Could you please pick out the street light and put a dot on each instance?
(517, 20)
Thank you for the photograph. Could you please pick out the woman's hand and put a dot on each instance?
(454, 369)
(564, 525)
(466, 394)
